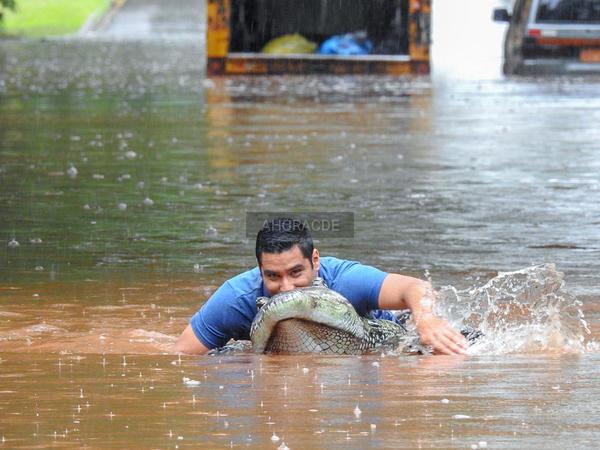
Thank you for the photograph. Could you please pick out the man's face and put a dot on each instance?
(288, 270)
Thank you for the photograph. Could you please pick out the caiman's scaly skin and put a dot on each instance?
(316, 319)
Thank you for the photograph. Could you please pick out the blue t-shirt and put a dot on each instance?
(229, 312)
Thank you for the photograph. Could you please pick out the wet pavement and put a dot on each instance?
(151, 20)
(126, 175)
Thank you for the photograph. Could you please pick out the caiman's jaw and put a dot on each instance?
(317, 319)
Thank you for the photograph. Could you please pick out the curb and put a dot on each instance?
(98, 22)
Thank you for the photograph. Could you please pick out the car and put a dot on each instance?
(551, 37)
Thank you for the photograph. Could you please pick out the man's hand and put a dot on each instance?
(401, 292)
(440, 335)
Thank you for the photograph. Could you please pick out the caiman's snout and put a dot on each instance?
(316, 319)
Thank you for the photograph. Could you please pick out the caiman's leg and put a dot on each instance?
(232, 346)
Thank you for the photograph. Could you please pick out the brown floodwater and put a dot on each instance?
(126, 177)
(251, 401)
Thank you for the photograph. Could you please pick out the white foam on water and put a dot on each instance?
(524, 311)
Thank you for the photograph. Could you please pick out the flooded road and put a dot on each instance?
(126, 176)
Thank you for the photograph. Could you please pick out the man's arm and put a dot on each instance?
(188, 343)
(402, 292)
(223, 316)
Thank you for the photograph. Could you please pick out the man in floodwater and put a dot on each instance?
(287, 260)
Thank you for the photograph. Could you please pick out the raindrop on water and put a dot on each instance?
(211, 231)
(189, 382)
(72, 171)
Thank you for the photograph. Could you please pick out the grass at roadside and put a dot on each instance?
(39, 18)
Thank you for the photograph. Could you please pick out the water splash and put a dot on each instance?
(524, 311)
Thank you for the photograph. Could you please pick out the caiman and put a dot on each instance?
(315, 319)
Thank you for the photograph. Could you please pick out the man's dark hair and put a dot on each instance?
(281, 234)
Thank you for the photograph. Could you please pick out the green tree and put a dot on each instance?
(4, 5)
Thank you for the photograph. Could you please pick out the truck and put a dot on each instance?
(398, 31)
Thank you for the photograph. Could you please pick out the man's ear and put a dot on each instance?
(316, 259)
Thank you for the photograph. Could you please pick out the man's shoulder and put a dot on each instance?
(359, 283)
(333, 268)
(247, 283)
(331, 263)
